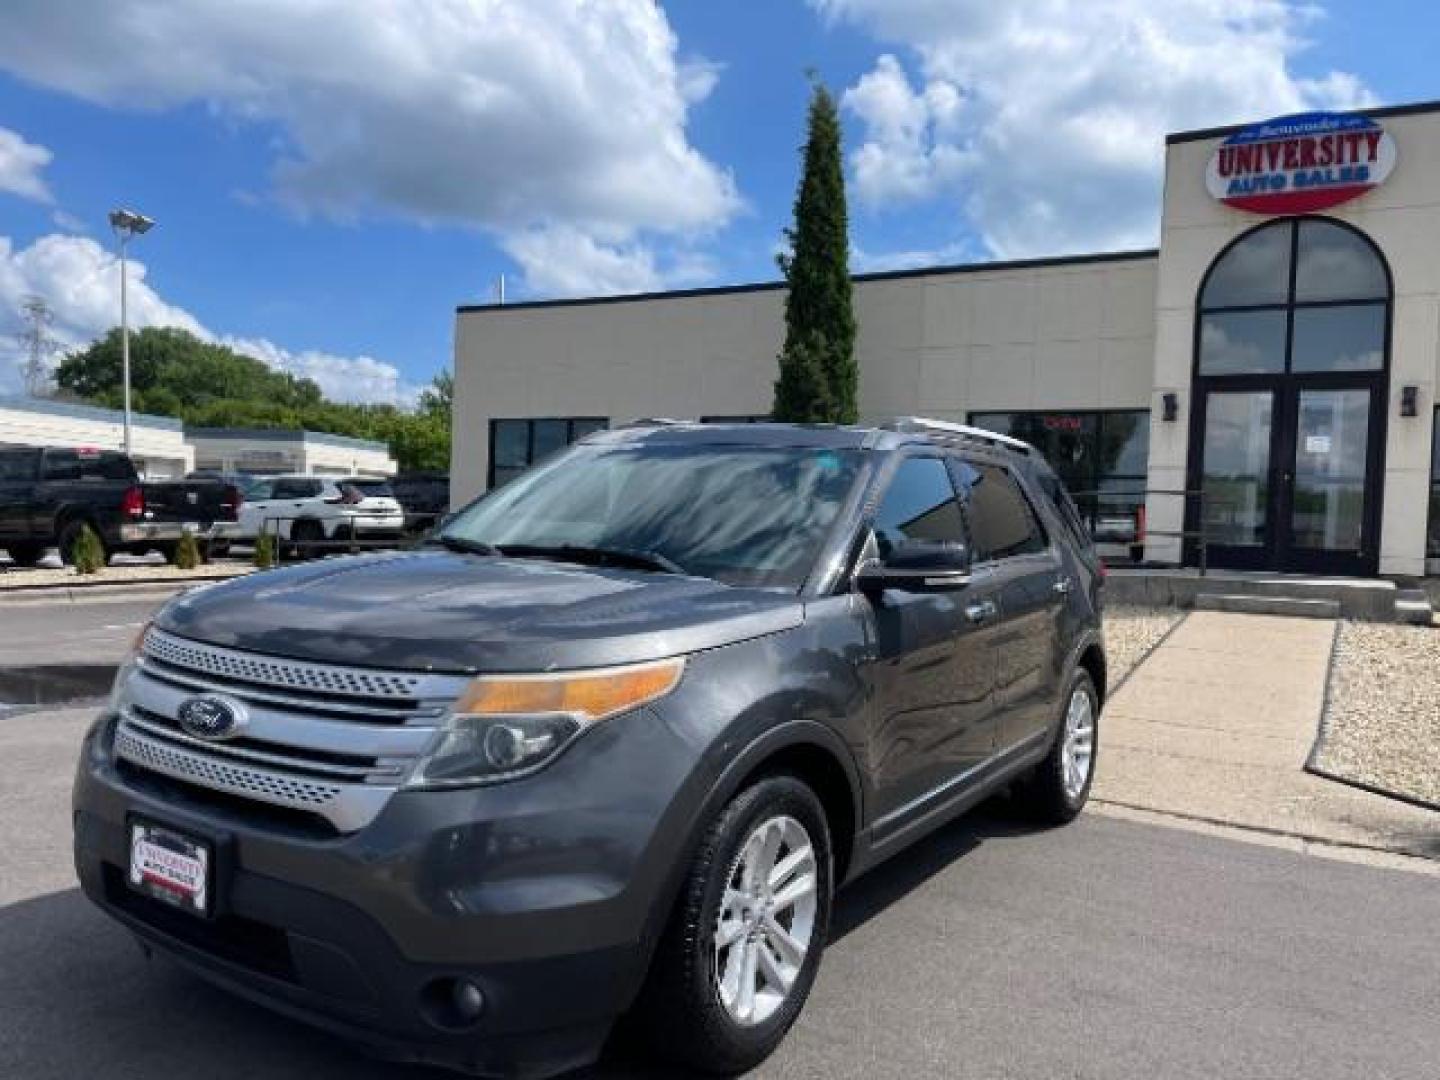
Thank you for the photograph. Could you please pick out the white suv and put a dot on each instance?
(313, 510)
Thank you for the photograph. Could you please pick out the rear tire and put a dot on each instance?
(1056, 792)
(743, 945)
(25, 554)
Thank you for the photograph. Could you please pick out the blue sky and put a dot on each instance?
(331, 178)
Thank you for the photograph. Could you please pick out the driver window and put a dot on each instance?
(919, 505)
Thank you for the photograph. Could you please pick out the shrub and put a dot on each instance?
(265, 550)
(187, 552)
(89, 552)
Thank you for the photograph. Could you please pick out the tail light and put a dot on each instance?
(132, 503)
(232, 499)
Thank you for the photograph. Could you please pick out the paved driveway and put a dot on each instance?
(1108, 949)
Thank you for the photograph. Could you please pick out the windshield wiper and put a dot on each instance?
(467, 547)
(582, 553)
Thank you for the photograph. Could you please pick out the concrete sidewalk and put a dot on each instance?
(1217, 725)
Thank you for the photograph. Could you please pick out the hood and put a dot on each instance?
(436, 610)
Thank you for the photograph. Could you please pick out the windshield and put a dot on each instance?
(741, 515)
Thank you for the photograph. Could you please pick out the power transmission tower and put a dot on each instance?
(37, 343)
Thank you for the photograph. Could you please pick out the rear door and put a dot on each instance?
(1026, 566)
(259, 511)
(18, 473)
(935, 665)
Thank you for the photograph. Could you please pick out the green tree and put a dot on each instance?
(817, 363)
(174, 373)
(89, 555)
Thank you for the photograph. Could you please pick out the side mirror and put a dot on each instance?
(918, 566)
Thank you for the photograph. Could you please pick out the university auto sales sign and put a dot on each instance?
(1300, 164)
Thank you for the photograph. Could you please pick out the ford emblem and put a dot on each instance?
(211, 717)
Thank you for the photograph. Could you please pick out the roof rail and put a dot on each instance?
(924, 425)
(654, 421)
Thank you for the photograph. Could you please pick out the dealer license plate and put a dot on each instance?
(171, 867)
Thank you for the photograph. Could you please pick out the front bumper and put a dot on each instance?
(538, 895)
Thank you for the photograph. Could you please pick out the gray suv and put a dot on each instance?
(607, 746)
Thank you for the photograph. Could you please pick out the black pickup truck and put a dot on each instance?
(48, 494)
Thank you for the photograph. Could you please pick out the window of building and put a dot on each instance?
(1269, 304)
(515, 445)
(1002, 525)
(919, 504)
(1101, 457)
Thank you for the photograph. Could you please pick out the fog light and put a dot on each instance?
(469, 1001)
(452, 1004)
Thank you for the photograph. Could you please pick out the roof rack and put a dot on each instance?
(926, 426)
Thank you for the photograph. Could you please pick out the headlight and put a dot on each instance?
(122, 674)
(507, 725)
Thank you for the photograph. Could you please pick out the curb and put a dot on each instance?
(70, 592)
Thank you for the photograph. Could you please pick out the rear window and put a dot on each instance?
(371, 489)
(17, 465)
(87, 465)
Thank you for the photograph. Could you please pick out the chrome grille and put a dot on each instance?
(266, 670)
(330, 740)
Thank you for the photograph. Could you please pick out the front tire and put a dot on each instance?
(741, 951)
(1060, 786)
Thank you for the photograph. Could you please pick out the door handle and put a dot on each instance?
(1061, 586)
(978, 613)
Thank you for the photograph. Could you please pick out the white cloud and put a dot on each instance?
(509, 115)
(1043, 121)
(560, 260)
(79, 280)
(21, 163)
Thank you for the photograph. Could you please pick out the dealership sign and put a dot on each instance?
(1299, 164)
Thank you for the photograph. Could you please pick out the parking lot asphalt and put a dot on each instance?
(96, 632)
(1106, 949)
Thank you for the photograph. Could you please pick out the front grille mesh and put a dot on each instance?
(296, 675)
(245, 780)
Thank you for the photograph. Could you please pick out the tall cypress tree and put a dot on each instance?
(817, 380)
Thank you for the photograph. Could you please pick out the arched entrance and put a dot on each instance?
(1287, 437)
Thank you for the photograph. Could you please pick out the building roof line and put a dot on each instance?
(1380, 112)
(874, 275)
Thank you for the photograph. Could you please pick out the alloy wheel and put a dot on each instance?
(1078, 749)
(767, 920)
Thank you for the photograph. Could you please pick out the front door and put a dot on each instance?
(1289, 474)
(934, 671)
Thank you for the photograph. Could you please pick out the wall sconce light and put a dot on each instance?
(1409, 401)
(1170, 408)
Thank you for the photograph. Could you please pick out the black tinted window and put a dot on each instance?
(297, 489)
(919, 504)
(372, 489)
(17, 465)
(1001, 521)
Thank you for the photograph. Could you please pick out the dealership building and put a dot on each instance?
(1265, 378)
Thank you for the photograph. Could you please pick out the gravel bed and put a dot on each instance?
(1383, 722)
(1131, 632)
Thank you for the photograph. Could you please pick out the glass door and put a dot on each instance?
(1328, 494)
(1236, 509)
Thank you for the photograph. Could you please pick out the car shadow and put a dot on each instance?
(81, 999)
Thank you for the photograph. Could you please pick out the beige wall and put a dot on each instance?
(1075, 334)
(1403, 218)
(158, 452)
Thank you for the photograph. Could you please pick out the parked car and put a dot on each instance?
(49, 494)
(311, 512)
(608, 744)
(425, 497)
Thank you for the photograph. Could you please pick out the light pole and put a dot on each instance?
(126, 223)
